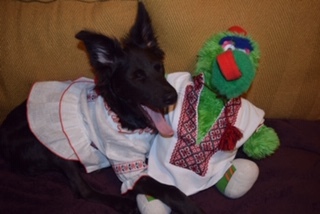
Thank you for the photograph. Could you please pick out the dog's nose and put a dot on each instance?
(170, 98)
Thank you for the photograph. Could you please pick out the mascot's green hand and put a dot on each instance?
(262, 143)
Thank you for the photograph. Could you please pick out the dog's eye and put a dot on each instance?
(158, 67)
(139, 75)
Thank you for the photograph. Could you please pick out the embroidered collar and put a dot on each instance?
(93, 94)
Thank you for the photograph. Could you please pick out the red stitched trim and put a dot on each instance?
(187, 154)
(129, 167)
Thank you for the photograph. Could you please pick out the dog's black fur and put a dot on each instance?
(128, 74)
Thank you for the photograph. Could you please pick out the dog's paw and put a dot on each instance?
(128, 207)
(195, 210)
(187, 208)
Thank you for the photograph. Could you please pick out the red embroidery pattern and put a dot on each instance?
(122, 130)
(92, 95)
(129, 167)
(187, 153)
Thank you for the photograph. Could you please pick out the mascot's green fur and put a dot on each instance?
(213, 123)
(218, 90)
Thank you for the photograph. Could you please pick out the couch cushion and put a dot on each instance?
(288, 79)
(37, 43)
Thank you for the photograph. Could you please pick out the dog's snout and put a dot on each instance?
(170, 97)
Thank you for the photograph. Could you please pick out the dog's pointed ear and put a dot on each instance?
(102, 50)
(141, 33)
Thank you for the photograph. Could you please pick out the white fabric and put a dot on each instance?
(154, 206)
(75, 123)
(160, 168)
(243, 178)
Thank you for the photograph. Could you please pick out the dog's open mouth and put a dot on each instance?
(159, 122)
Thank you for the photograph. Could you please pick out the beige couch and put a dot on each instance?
(37, 43)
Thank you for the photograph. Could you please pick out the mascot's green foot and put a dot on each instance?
(150, 205)
(238, 179)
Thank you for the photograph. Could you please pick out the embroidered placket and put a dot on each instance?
(187, 154)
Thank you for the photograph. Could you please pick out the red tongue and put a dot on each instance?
(159, 121)
(228, 66)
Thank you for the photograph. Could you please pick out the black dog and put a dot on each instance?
(128, 75)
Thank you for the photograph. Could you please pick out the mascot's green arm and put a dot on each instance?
(262, 143)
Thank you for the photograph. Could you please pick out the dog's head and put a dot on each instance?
(131, 74)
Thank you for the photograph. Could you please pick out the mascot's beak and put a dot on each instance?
(228, 66)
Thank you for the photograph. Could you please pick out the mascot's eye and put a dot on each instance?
(246, 51)
(228, 47)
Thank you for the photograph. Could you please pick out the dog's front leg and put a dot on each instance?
(120, 204)
(170, 195)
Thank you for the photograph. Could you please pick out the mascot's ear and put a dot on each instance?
(103, 51)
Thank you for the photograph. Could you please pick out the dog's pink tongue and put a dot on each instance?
(161, 124)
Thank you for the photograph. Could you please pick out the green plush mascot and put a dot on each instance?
(229, 62)
(211, 122)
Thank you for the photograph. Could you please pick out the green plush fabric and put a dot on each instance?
(207, 64)
(234, 88)
(262, 143)
(217, 91)
(223, 182)
(209, 109)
